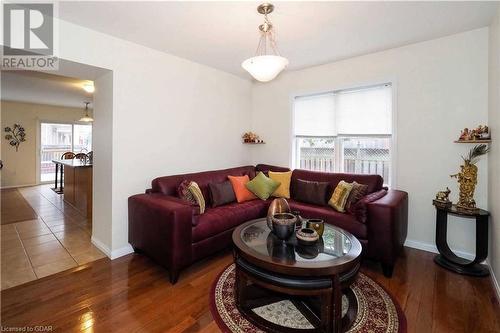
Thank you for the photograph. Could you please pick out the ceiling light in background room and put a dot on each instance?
(89, 87)
(87, 118)
(265, 66)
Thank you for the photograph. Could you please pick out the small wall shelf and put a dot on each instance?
(472, 141)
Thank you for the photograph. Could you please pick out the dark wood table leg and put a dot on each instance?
(326, 324)
(240, 286)
(61, 187)
(450, 260)
(337, 305)
(57, 171)
(481, 239)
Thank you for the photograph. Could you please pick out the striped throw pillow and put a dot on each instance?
(191, 192)
(198, 195)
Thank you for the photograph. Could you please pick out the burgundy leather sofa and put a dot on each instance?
(168, 230)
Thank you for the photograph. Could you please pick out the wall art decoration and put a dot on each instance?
(15, 135)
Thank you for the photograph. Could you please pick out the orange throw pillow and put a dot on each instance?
(239, 188)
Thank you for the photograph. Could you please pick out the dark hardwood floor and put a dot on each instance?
(132, 294)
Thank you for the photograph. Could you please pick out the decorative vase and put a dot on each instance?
(279, 205)
(283, 225)
(316, 224)
(307, 236)
(300, 220)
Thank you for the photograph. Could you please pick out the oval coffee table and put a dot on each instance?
(313, 278)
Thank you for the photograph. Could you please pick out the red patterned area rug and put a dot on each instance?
(377, 310)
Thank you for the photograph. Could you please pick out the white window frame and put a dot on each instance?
(39, 142)
(337, 138)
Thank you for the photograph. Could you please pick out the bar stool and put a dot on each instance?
(66, 156)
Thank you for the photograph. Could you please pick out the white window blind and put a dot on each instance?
(314, 115)
(345, 131)
(364, 111)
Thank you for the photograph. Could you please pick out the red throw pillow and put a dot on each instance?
(239, 188)
(360, 210)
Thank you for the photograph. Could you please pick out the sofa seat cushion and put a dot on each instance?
(219, 219)
(330, 216)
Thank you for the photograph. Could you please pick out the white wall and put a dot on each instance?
(103, 133)
(441, 87)
(494, 156)
(169, 115)
(20, 167)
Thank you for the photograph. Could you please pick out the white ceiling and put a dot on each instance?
(41, 88)
(223, 34)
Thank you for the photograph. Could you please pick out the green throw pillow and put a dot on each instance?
(262, 186)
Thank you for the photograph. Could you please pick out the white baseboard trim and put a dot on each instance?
(100, 245)
(17, 186)
(123, 251)
(495, 282)
(112, 254)
(432, 248)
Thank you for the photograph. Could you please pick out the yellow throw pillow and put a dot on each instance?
(340, 195)
(284, 178)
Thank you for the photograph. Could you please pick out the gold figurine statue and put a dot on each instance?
(442, 199)
(467, 178)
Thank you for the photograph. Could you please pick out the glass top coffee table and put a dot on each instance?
(313, 277)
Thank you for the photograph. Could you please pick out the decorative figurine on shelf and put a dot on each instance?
(479, 133)
(250, 137)
(467, 178)
(485, 133)
(464, 135)
(442, 199)
(15, 135)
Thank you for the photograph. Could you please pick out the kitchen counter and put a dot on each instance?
(75, 163)
(77, 185)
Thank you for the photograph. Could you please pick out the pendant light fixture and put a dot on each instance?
(267, 62)
(87, 118)
(89, 87)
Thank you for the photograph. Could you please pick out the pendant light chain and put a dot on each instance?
(267, 36)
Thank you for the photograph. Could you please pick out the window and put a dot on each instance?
(56, 139)
(345, 131)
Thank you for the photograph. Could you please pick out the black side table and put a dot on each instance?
(450, 260)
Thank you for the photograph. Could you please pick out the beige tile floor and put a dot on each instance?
(57, 240)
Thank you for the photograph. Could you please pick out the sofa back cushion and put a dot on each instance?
(168, 185)
(374, 182)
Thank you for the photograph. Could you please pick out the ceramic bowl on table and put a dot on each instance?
(283, 225)
(316, 224)
(307, 236)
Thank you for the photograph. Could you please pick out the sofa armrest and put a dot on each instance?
(160, 226)
(387, 226)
